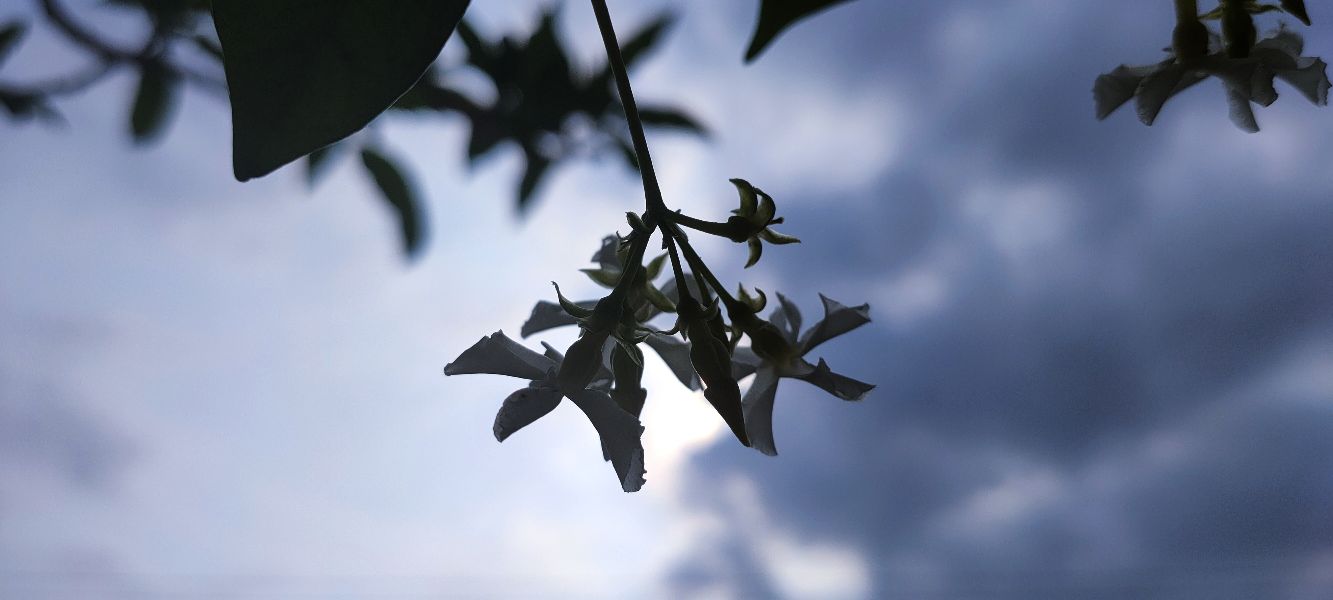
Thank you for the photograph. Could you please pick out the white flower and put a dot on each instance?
(620, 432)
(775, 357)
(1247, 80)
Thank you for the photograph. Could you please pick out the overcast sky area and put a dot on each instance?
(1104, 351)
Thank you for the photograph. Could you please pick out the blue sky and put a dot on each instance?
(1103, 350)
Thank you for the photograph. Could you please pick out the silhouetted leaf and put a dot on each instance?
(637, 44)
(670, 117)
(10, 34)
(317, 163)
(428, 95)
(400, 195)
(152, 102)
(532, 175)
(777, 15)
(1297, 9)
(303, 74)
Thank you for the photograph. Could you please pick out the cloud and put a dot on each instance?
(1098, 345)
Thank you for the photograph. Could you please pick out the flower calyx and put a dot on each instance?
(752, 222)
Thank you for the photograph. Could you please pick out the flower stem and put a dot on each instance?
(697, 265)
(652, 192)
(709, 227)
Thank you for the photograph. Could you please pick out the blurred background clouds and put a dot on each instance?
(1104, 351)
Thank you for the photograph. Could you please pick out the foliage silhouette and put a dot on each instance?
(180, 49)
(303, 76)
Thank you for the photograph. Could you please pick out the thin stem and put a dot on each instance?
(682, 287)
(699, 268)
(709, 227)
(652, 192)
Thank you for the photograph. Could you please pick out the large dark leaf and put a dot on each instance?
(775, 16)
(399, 194)
(153, 102)
(1297, 9)
(306, 73)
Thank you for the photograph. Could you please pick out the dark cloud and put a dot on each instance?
(1086, 406)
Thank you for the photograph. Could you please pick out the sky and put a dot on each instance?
(1103, 351)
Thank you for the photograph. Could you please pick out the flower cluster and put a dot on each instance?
(1246, 68)
(601, 372)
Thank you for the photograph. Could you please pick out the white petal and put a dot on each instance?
(758, 407)
(676, 354)
(523, 407)
(840, 386)
(1111, 90)
(548, 315)
(838, 319)
(498, 355)
(1242, 114)
(787, 317)
(1311, 79)
(621, 435)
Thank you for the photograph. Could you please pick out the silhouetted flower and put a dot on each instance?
(1248, 79)
(752, 221)
(620, 432)
(778, 350)
(644, 302)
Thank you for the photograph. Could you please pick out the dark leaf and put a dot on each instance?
(775, 16)
(23, 106)
(532, 175)
(318, 163)
(640, 42)
(10, 34)
(153, 102)
(1297, 9)
(669, 117)
(400, 196)
(303, 74)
